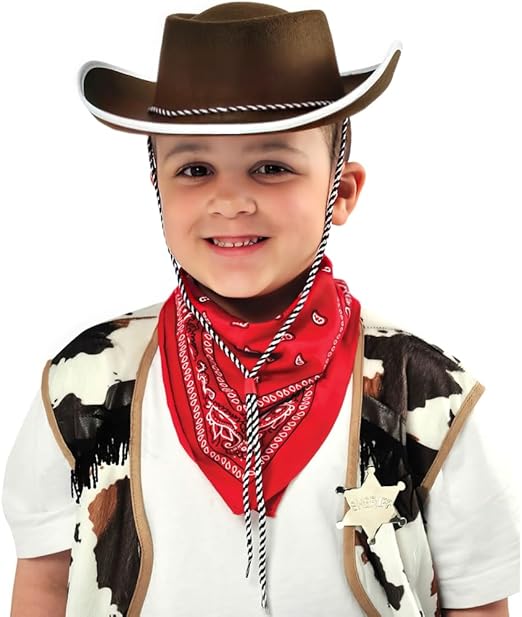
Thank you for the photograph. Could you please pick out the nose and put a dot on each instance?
(231, 204)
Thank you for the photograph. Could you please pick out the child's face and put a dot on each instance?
(273, 185)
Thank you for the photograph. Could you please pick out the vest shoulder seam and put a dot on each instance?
(51, 417)
(463, 413)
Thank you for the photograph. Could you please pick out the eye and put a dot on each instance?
(272, 169)
(197, 171)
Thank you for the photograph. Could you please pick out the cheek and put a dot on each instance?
(178, 206)
(305, 209)
(177, 221)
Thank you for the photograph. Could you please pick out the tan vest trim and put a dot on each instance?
(138, 508)
(51, 418)
(458, 423)
(350, 567)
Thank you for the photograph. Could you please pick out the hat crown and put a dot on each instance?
(246, 53)
(230, 11)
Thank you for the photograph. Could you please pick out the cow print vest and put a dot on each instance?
(410, 400)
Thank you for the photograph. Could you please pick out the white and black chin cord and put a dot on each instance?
(251, 378)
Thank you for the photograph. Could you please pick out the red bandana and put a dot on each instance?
(300, 392)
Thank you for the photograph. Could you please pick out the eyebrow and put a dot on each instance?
(264, 147)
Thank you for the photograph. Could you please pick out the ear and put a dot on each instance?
(352, 180)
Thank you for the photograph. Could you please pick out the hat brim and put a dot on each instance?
(121, 100)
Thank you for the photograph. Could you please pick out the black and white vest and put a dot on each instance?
(410, 400)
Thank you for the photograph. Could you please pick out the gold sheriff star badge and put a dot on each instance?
(371, 505)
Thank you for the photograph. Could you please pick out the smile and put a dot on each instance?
(236, 246)
(237, 243)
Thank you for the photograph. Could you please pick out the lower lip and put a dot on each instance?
(236, 250)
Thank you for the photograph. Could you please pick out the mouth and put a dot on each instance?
(236, 246)
(236, 241)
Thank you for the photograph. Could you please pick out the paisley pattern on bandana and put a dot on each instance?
(301, 387)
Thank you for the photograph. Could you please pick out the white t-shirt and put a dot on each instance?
(200, 546)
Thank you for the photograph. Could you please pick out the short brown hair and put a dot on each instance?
(332, 136)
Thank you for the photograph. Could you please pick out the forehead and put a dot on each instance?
(294, 142)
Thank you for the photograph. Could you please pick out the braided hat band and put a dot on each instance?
(170, 113)
(251, 377)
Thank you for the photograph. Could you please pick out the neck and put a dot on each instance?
(260, 308)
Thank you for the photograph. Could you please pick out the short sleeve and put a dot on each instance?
(36, 494)
(472, 517)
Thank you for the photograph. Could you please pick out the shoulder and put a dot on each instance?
(103, 356)
(429, 388)
(111, 333)
(88, 386)
(430, 371)
(393, 339)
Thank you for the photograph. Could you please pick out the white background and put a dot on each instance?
(433, 243)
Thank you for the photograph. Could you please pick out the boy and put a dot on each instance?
(257, 347)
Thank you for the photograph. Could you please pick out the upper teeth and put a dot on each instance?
(235, 244)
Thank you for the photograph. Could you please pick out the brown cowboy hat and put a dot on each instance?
(236, 68)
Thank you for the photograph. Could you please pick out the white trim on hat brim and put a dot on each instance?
(237, 128)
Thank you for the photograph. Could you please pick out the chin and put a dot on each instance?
(238, 289)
